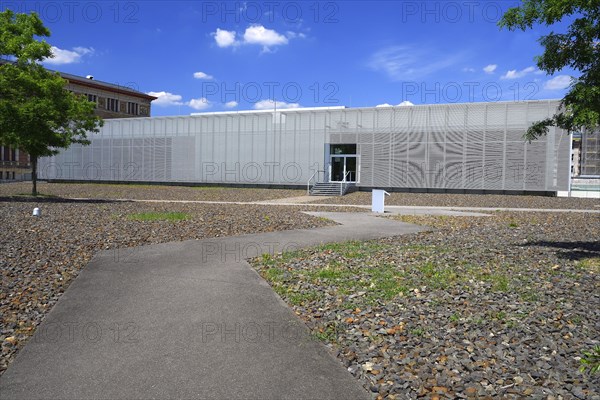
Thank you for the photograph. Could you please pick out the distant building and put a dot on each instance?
(112, 101)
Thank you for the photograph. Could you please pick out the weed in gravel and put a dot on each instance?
(529, 295)
(591, 360)
(417, 331)
(274, 274)
(353, 249)
(328, 333)
(437, 276)
(267, 259)
(454, 317)
(386, 283)
(590, 264)
(299, 298)
(159, 216)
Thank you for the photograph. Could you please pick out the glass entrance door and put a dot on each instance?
(343, 166)
(337, 168)
(344, 163)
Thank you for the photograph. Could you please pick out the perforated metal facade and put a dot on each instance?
(590, 154)
(476, 146)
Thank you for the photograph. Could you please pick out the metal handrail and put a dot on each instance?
(344, 183)
(311, 178)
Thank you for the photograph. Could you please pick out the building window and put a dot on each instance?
(112, 105)
(8, 154)
(133, 108)
(92, 98)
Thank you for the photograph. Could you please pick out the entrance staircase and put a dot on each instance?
(330, 189)
(322, 188)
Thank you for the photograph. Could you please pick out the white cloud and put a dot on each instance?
(405, 103)
(468, 69)
(199, 104)
(224, 38)
(166, 99)
(202, 75)
(489, 69)
(231, 104)
(255, 35)
(558, 82)
(293, 35)
(61, 56)
(270, 105)
(258, 34)
(514, 74)
(409, 63)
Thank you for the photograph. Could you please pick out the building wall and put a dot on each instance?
(14, 164)
(103, 106)
(476, 146)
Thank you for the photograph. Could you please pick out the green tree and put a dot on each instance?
(577, 48)
(38, 115)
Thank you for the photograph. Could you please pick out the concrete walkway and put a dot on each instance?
(187, 320)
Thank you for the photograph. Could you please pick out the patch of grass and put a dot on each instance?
(513, 225)
(386, 283)
(590, 264)
(348, 305)
(353, 249)
(158, 216)
(273, 274)
(328, 333)
(500, 282)
(499, 315)
(530, 296)
(576, 319)
(454, 317)
(297, 298)
(417, 331)
(437, 276)
(591, 360)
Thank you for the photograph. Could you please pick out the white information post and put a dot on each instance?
(378, 200)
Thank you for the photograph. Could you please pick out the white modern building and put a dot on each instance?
(443, 147)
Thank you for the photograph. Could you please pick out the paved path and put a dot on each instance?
(187, 320)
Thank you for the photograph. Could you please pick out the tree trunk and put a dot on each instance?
(34, 175)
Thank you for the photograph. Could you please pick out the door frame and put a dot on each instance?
(345, 157)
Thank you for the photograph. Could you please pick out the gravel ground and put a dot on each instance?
(468, 200)
(149, 192)
(39, 257)
(481, 307)
(496, 306)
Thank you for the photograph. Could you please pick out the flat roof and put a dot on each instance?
(96, 84)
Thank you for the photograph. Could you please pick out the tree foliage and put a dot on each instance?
(578, 48)
(38, 115)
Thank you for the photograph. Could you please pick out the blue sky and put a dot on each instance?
(215, 56)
